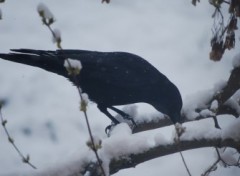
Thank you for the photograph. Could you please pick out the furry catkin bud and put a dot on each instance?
(45, 14)
(73, 66)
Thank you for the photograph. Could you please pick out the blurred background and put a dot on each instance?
(42, 108)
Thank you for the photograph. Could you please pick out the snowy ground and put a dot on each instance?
(42, 109)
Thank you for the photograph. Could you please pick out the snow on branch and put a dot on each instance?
(127, 150)
(222, 95)
(232, 86)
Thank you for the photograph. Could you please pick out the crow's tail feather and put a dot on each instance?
(47, 60)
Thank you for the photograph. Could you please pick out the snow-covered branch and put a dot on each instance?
(231, 87)
(162, 150)
(227, 91)
(124, 149)
(224, 95)
(189, 140)
(165, 121)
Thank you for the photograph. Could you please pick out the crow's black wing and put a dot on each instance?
(115, 68)
(106, 67)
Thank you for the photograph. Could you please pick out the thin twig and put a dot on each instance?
(224, 162)
(211, 168)
(179, 131)
(216, 122)
(227, 2)
(91, 136)
(81, 98)
(10, 139)
(214, 165)
(219, 156)
(185, 164)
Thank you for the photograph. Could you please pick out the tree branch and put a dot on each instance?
(125, 161)
(232, 86)
(162, 150)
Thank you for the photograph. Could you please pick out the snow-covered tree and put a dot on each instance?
(203, 114)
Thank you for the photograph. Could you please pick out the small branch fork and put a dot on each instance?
(71, 71)
(11, 140)
(213, 167)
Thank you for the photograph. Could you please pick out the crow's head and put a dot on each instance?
(169, 102)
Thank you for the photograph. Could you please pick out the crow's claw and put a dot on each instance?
(109, 128)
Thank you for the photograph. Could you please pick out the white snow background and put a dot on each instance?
(43, 108)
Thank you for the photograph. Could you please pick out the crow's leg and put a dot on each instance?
(120, 112)
(123, 114)
(103, 109)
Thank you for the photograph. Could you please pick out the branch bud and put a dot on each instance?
(4, 122)
(45, 14)
(10, 140)
(194, 2)
(97, 142)
(73, 66)
(27, 159)
(107, 1)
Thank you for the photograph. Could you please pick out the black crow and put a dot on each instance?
(109, 78)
